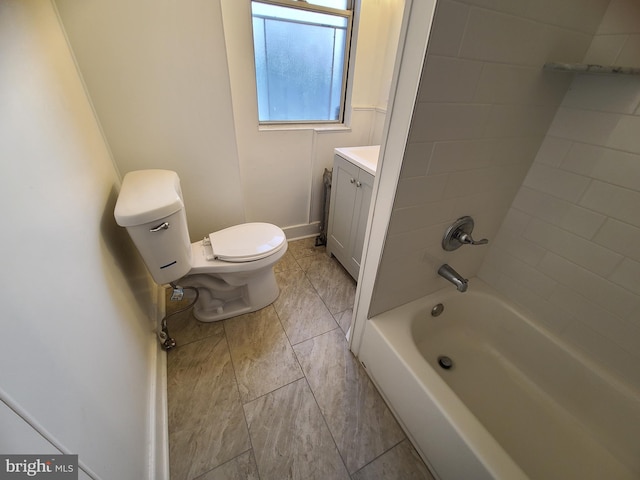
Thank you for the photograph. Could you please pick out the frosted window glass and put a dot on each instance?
(300, 61)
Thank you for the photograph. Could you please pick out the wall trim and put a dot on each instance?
(158, 461)
(302, 231)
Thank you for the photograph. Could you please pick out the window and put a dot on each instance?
(301, 57)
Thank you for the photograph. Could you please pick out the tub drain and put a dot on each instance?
(445, 362)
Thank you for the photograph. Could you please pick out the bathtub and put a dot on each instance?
(516, 404)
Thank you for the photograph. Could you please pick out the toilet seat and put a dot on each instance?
(246, 242)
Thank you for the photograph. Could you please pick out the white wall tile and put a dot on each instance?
(462, 155)
(620, 237)
(448, 30)
(517, 270)
(573, 14)
(628, 56)
(417, 190)
(552, 151)
(416, 159)
(517, 7)
(515, 221)
(505, 83)
(419, 216)
(519, 247)
(559, 212)
(600, 290)
(584, 125)
(511, 120)
(616, 202)
(487, 208)
(611, 166)
(517, 149)
(621, 17)
(593, 257)
(583, 230)
(627, 275)
(607, 352)
(604, 49)
(551, 316)
(608, 325)
(449, 79)
(625, 135)
(606, 93)
(561, 184)
(495, 37)
(561, 45)
(470, 182)
(448, 121)
(483, 145)
(416, 240)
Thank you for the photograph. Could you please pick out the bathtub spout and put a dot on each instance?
(449, 274)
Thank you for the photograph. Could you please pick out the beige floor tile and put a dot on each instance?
(302, 312)
(290, 438)
(287, 262)
(359, 420)
(206, 421)
(305, 247)
(332, 282)
(262, 356)
(344, 319)
(402, 462)
(243, 467)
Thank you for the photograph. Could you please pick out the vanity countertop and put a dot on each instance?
(364, 157)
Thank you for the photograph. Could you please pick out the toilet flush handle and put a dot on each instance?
(162, 226)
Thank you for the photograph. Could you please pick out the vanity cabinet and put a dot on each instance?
(351, 188)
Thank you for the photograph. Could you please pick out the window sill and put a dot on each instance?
(338, 127)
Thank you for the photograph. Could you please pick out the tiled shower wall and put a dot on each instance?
(484, 107)
(569, 249)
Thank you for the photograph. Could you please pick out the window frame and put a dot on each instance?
(349, 14)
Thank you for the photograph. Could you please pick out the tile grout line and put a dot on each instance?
(244, 415)
(324, 419)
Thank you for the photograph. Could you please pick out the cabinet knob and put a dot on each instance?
(352, 180)
(358, 184)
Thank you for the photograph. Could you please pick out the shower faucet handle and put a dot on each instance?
(468, 239)
(459, 233)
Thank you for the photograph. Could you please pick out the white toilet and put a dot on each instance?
(232, 268)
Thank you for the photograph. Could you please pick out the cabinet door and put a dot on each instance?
(364, 187)
(343, 199)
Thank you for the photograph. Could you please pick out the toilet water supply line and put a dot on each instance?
(166, 342)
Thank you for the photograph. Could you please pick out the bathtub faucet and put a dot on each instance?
(449, 274)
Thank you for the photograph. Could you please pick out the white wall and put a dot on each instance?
(157, 75)
(78, 351)
(282, 168)
(173, 85)
(569, 248)
(483, 108)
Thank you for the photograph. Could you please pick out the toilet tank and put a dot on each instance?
(151, 207)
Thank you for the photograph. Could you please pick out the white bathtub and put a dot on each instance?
(516, 404)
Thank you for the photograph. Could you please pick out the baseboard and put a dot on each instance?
(158, 417)
(302, 231)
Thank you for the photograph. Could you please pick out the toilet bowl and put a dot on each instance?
(232, 268)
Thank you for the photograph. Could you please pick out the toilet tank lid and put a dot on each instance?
(147, 196)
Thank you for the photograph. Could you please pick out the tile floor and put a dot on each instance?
(276, 394)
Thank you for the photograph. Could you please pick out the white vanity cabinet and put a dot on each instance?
(351, 188)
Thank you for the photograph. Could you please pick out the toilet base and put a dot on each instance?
(221, 297)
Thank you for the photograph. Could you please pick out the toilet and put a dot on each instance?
(232, 268)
